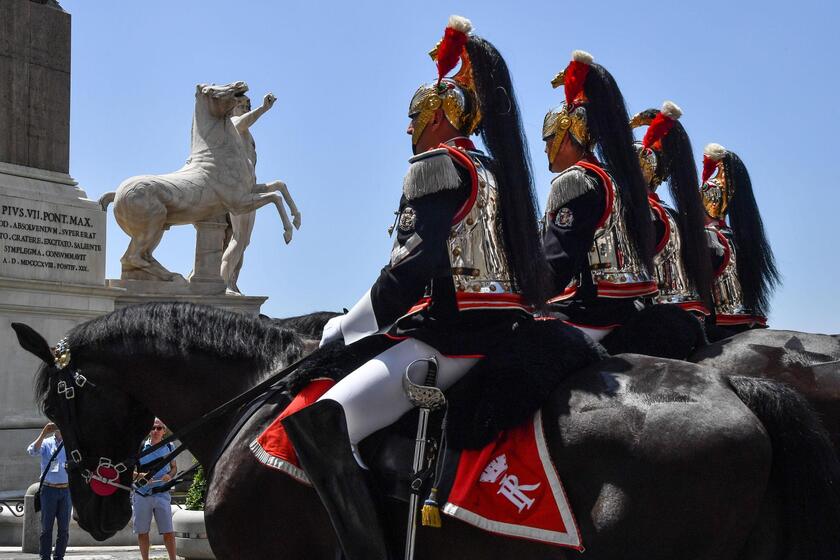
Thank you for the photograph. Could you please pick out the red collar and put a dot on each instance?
(653, 196)
(716, 223)
(462, 142)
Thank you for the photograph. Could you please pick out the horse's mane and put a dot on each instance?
(178, 330)
(310, 325)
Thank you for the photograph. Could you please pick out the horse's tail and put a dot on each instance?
(107, 199)
(805, 466)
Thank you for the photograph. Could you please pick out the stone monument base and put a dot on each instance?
(140, 291)
(52, 309)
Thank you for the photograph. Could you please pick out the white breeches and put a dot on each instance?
(595, 333)
(372, 396)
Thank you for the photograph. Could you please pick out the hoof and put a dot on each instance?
(230, 292)
(287, 236)
(296, 220)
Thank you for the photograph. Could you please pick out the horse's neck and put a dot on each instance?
(210, 134)
(188, 393)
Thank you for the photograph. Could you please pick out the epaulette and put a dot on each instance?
(569, 185)
(430, 172)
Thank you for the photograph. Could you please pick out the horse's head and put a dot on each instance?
(102, 428)
(221, 100)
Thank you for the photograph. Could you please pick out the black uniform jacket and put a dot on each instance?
(419, 266)
(576, 204)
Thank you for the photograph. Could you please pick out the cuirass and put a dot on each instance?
(614, 264)
(669, 268)
(729, 298)
(716, 194)
(477, 251)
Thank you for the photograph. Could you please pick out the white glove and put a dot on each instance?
(332, 330)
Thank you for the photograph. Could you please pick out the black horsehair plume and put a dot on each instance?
(609, 128)
(504, 138)
(675, 164)
(756, 264)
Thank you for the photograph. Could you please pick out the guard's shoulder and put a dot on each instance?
(569, 185)
(430, 172)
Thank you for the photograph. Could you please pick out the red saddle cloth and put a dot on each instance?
(512, 488)
(273, 449)
(509, 488)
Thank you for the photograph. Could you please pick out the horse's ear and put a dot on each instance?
(33, 342)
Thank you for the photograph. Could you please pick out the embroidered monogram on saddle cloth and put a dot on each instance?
(512, 488)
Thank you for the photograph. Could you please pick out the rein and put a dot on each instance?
(103, 478)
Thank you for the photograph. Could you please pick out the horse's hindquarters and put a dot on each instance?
(662, 448)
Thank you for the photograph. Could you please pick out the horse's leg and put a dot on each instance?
(142, 215)
(284, 190)
(256, 200)
(280, 186)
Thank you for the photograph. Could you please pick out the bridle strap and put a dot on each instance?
(251, 394)
(238, 400)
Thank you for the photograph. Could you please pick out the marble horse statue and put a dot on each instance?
(217, 178)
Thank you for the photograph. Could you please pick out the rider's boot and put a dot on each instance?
(319, 434)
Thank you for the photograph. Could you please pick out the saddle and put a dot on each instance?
(500, 392)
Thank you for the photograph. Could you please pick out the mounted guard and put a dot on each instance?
(597, 234)
(463, 275)
(745, 272)
(681, 260)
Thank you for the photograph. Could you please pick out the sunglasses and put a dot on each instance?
(158, 428)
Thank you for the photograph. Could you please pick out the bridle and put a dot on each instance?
(102, 474)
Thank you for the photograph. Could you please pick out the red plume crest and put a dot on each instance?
(712, 155)
(657, 130)
(661, 125)
(575, 77)
(708, 167)
(452, 46)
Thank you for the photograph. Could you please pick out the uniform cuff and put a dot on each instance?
(359, 321)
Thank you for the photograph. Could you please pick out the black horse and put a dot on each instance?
(660, 459)
(810, 363)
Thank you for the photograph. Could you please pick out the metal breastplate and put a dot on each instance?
(669, 269)
(477, 251)
(613, 259)
(729, 298)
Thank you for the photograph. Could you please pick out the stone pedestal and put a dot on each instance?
(206, 277)
(204, 285)
(134, 294)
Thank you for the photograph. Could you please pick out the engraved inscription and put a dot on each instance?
(44, 241)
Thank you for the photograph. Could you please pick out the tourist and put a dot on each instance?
(54, 491)
(148, 503)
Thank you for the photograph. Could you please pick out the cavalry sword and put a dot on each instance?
(428, 398)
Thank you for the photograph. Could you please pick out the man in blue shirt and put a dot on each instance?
(55, 492)
(147, 503)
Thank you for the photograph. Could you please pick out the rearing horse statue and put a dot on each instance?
(217, 178)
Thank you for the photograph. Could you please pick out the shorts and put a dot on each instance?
(158, 505)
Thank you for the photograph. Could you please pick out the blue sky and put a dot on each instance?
(758, 77)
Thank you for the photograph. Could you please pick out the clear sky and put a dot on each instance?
(759, 77)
